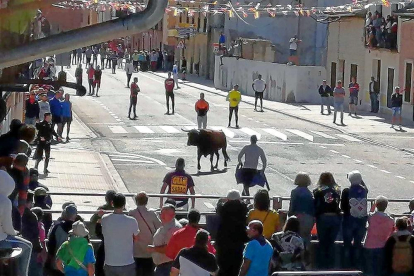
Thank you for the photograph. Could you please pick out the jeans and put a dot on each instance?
(353, 229)
(326, 101)
(339, 107)
(30, 121)
(35, 267)
(328, 227)
(306, 224)
(202, 122)
(374, 102)
(374, 261)
(128, 79)
(163, 269)
(26, 246)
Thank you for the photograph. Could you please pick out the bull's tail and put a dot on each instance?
(226, 156)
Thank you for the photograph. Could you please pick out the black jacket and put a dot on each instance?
(325, 93)
(327, 200)
(32, 109)
(232, 228)
(30, 229)
(396, 100)
(45, 131)
(389, 251)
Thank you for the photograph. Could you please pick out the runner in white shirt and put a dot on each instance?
(175, 73)
(259, 86)
(293, 45)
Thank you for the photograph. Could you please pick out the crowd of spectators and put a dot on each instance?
(381, 32)
(248, 240)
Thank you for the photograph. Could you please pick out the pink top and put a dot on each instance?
(381, 226)
(42, 232)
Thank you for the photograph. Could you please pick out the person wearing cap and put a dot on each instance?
(231, 234)
(44, 106)
(149, 222)
(355, 215)
(8, 235)
(257, 253)
(56, 110)
(162, 236)
(135, 60)
(195, 260)
(58, 234)
(326, 92)
(251, 154)
(396, 105)
(185, 236)
(43, 200)
(75, 256)
(234, 99)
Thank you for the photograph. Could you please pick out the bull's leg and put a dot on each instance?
(211, 161)
(198, 160)
(218, 157)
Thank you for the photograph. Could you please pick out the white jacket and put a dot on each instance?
(129, 68)
(6, 188)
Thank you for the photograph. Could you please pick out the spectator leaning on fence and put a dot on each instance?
(328, 220)
(354, 221)
(302, 206)
(263, 213)
(149, 222)
(231, 234)
(380, 227)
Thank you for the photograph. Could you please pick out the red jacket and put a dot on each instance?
(184, 238)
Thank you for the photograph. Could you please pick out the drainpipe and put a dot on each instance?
(98, 33)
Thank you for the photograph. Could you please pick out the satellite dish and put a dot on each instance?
(3, 109)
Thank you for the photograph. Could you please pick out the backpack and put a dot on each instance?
(358, 201)
(402, 256)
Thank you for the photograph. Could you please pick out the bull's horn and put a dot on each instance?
(185, 130)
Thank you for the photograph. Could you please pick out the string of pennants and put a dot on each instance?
(191, 7)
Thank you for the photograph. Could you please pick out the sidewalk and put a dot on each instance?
(75, 167)
(365, 123)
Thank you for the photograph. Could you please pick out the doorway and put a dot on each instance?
(390, 85)
(333, 74)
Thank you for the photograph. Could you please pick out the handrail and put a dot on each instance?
(324, 273)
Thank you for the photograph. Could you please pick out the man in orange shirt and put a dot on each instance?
(185, 237)
(202, 107)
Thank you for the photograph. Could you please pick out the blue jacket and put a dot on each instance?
(55, 107)
(66, 109)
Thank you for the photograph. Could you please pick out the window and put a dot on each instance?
(390, 85)
(181, 18)
(205, 25)
(408, 79)
(199, 22)
(376, 72)
(187, 18)
(342, 70)
(192, 20)
(333, 74)
(354, 72)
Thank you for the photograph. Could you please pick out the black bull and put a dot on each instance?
(208, 142)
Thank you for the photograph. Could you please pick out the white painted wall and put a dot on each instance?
(284, 83)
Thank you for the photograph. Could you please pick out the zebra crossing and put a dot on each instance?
(283, 135)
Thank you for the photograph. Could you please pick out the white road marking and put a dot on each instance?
(251, 119)
(334, 151)
(412, 182)
(346, 156)
(170, 129)
(117, 129)
(372, 166)
(400, 177)
(209, 205)
(322, 147)
(116, 117)
(190, 127)
(301, 134)
(276, 133)
(358, 161)
(226, 131)
(324, 135)
(385, 171)
(349, 138)
(136, 156)
(144, 129)
(251, 132)
(119, 120)
(132, 160)
(327, 144)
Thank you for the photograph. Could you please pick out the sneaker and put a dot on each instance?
(261, 110)
(355, 114)
(46, 171)
(237, 126)
(349, 114)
